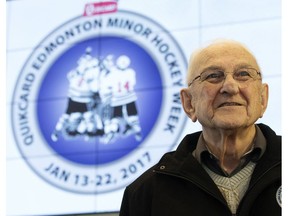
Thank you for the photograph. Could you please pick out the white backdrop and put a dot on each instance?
(191, 22)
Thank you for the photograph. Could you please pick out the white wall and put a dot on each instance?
(191, 22)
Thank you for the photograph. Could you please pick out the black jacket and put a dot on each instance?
(179, 186)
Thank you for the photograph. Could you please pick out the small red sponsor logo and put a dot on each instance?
(92, 9)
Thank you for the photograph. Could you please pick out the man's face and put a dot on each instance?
(228, 104)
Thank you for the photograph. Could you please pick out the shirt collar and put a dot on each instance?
(259, 147)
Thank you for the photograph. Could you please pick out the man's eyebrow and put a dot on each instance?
(218, 67)
(212, 67)
(244, 65)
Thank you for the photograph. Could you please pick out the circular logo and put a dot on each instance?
(279, 196)
(98, 100)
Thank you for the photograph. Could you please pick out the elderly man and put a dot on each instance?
(231, 167)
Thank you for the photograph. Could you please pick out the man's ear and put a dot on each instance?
(187, 105)
(264, 98)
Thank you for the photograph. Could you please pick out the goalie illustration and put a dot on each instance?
(101, 100)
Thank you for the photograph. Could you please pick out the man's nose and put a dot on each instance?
(229, 85)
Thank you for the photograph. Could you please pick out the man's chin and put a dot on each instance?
(229, 124)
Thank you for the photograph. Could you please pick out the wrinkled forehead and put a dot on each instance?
(221, 54)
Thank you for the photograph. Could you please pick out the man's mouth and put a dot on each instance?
(229, 104)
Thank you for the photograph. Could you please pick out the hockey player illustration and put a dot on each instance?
(83, 98)
(101, 100)
(124, 119)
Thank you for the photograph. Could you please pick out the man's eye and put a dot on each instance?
(242, 73)
(214, 75)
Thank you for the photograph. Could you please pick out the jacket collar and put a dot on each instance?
(181, 163)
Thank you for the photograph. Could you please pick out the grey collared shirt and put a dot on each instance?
(204, 156)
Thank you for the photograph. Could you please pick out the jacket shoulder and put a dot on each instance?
(144, 180)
